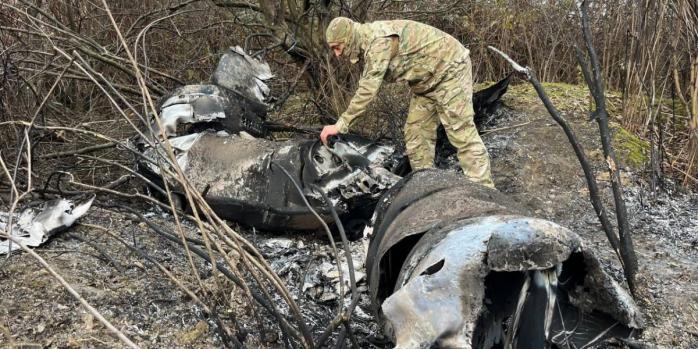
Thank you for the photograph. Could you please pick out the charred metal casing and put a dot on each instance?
(245, 75)
(242, 179)
(208, 106)
(235, 101)
(456, 265)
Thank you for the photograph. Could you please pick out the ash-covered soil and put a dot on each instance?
(531, 161)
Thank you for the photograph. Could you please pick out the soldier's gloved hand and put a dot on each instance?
(329, 130)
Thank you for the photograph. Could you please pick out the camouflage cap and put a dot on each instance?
(340, 30)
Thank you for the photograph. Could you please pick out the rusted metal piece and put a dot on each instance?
(457, 265)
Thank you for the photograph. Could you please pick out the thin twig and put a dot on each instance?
(84, 150)
(9, 176)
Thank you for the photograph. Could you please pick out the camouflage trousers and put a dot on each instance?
(450, 103)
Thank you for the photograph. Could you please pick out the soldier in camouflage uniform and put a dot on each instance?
(435, 66)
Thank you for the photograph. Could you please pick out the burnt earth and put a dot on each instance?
(532, 163)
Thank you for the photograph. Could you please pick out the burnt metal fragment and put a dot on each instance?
(217, 133)
(245, 75)
(486, 101)
(208, 107)
(457, 265)
(240, 183)
(40, 221)
(234, 101)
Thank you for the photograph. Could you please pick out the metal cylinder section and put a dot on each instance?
(453, 264)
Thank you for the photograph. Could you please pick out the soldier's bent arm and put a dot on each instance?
(377, 59)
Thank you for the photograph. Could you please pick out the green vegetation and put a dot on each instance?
(575, 102)
(567, 98)
(631, 149)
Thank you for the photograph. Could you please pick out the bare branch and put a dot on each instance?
(594, 195)
(596, 88)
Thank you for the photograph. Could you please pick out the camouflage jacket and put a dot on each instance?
(420, 57)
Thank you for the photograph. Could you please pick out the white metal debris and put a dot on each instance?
(35, 225)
